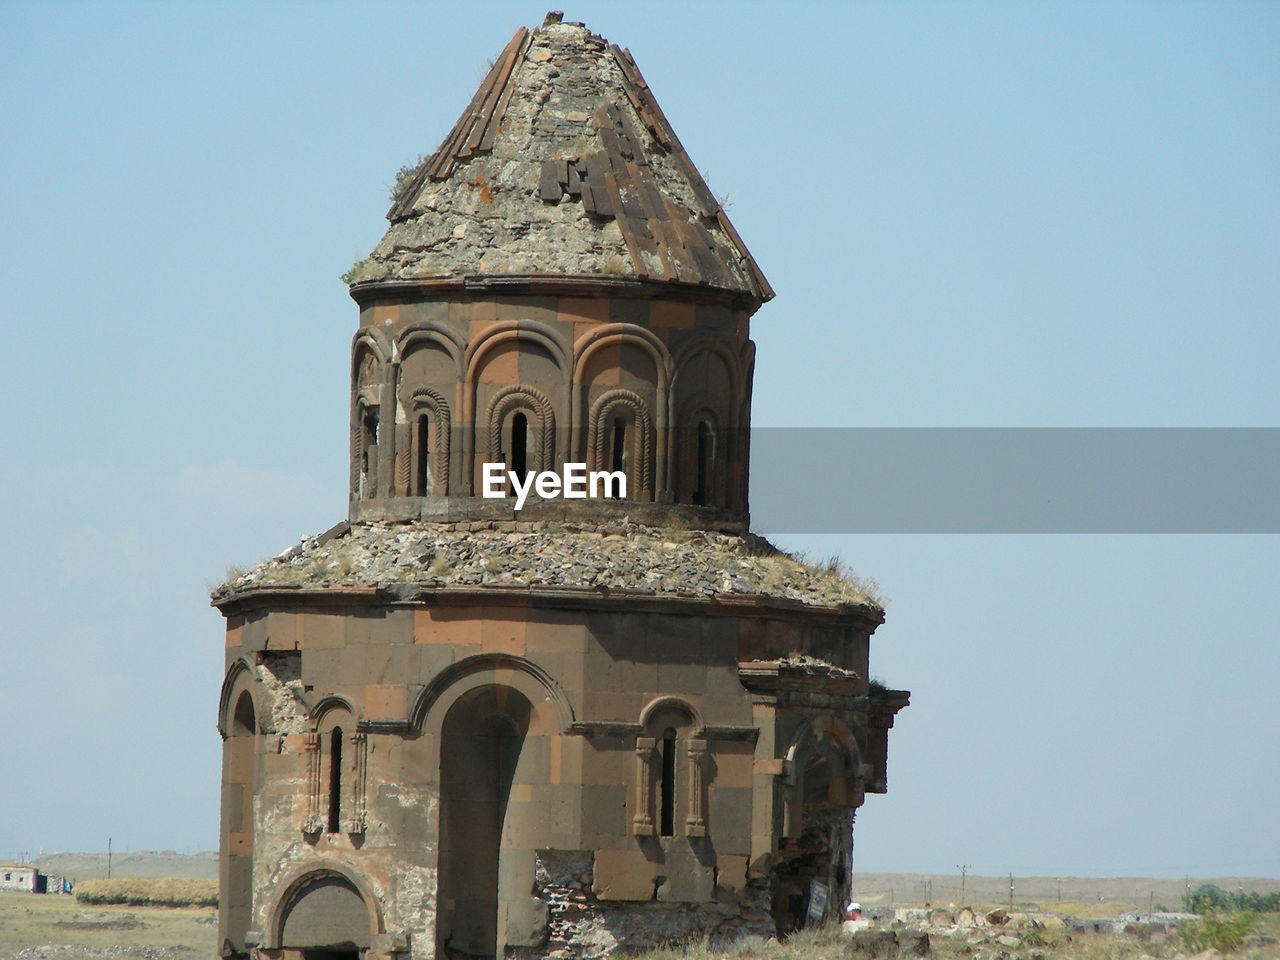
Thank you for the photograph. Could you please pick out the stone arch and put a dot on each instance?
(238, 723)
(816, 728)
(607, 333)
(429, 408)
(335, 769)
(525, 675)
(482, 742)
(429, 331)
(639, 450)
(239, 676)
(716, 347)
(671, 751)
(301, 881)
(521, 398)
(820, 770)
(658, 705)
(505, 330)
(369, 365)
(490, 720)
(702, 458)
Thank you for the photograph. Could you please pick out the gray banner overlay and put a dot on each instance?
(1015, 480)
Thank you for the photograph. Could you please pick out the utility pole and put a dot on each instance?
(1059, 889)
(108, 858)
(1010, 891)
(964, 869)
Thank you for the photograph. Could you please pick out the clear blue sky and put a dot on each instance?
(980, 214)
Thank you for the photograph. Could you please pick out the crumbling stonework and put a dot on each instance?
(458, 726)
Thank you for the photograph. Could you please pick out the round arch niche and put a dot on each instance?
(326, 913)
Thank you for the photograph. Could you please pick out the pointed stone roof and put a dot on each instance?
(562, 166)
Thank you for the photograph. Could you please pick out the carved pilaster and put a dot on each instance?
(311, 824)
(359, 765)
(695, 822)
(642, 821)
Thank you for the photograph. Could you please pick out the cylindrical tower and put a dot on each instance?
(558, 285)
(483, 718)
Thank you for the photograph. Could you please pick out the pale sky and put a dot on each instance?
(974, 215)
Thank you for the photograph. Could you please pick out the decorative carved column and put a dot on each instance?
(359, 765)
(312, 748)
(695, 822)
(642, 821)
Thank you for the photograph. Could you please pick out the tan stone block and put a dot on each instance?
(453, 625)
(323, 631)
(608, 766)
(527, 308)
(555, 759)
(500, 363)
(771, 766)
(602, 368)
(583, 312)
(235, 631)
(283, 631)
(672, 314)
(733, 769)
(383, 312)
(731, 871)
(555, 633)
(623, 875)
(385, 701)
(520, 793)
(502, 631)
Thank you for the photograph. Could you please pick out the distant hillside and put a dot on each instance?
(139, 863)
(1081, 895)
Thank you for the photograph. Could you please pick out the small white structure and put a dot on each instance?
(18, 876)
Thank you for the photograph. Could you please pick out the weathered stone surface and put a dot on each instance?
(566, 145)
(563, 556)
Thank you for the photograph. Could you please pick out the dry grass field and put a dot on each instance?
(34, 927)
(156, 933)
(1065, 896)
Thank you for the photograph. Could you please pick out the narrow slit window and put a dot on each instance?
(706, 459)
(618, 456)
(424, 455)
(335, 780)
(368, 452)
(520, 446)
(667, 787)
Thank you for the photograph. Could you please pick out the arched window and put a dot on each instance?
(521, 430)
(423, 488)
(669, 763)
(239, 759)
(335, 781)
(518, 448)
(620, 439)
(705, 464)
(667, 785)
(368, 452)
(429, 444)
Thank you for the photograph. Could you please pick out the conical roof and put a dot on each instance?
(562, 165)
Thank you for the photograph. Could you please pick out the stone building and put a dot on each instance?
(457, 728)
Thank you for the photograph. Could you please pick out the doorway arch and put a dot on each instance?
(481, 740)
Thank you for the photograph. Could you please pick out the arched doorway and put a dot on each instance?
(238, 787)
(327, 919)
(481, 740)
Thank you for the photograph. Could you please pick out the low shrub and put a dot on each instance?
(150, 892)
(1223, 932)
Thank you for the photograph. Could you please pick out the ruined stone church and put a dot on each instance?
(455, 728)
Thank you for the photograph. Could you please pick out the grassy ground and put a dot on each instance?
(29, 920)
(1065, 896)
